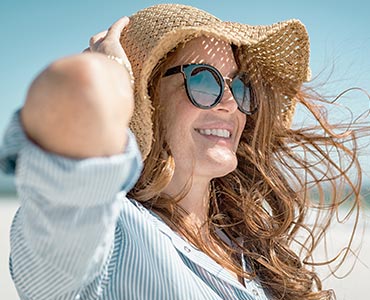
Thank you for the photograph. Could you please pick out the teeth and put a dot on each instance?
(216, 132)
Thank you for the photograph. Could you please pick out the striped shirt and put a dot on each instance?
(77, 236)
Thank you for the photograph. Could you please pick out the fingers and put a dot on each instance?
(97, 38)
(108, 41)
(115, 30)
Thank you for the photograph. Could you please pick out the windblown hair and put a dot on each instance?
(263, 205)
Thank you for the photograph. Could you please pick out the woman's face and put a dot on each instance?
(193, 134)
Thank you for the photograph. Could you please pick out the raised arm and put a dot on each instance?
(79, 106)
(63, 235)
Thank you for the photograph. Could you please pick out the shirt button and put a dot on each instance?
(77, 297)
(255, 292)
(187, 249)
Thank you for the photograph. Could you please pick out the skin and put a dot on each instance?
(199, 156)
(80, 106)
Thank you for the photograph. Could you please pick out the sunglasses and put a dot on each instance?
(205, 87)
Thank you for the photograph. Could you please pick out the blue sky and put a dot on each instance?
(34, 33)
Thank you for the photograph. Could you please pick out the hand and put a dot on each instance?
(108, 41)
(91, 97)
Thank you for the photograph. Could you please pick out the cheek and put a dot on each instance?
(180, 131)
(173, 123)
(242, 121)
(179, 116)
(179, 125)
(179, 111)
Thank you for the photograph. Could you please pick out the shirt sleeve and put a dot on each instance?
(63, 233)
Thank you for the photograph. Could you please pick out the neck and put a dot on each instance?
(196, 199)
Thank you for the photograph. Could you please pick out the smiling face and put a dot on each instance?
(203, 142)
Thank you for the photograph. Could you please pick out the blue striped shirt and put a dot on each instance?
(77, 236)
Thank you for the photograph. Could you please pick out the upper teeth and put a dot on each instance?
(217, 132)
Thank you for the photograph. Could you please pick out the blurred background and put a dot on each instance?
(34, 33)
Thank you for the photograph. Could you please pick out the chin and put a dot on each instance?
(221, 166)
(227, 170)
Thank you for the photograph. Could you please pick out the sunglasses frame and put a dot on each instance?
(186, 71)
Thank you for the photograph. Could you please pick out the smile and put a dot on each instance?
(224, 133)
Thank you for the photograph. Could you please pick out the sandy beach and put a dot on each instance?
(352, 287)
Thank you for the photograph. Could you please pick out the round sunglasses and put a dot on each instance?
(205, 87)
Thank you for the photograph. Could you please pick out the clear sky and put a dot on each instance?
(34, 33)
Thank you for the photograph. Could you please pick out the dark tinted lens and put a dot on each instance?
(204, 86)
(243, 95)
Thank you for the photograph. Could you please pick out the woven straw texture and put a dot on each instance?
(280, 51)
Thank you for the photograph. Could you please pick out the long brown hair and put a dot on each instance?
(264, 203)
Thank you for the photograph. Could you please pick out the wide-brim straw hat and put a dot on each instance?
(280, 51)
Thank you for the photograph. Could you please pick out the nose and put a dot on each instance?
(227, 103)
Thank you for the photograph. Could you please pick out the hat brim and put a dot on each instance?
(280, 51)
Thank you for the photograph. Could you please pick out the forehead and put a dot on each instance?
(206, 50)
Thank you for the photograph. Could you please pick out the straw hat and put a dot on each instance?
(280, 51)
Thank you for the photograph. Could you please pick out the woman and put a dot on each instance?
(212, 207)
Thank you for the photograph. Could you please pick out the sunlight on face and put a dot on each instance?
(193, 134)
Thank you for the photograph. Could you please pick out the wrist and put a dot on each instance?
(125, 64)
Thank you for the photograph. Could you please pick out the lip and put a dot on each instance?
(226, 142)
(217, 140)
(219, 125)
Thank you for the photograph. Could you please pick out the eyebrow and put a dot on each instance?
(233, 74)
(177, 69)
(173, 70)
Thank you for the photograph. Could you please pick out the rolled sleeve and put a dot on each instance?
(93, 179)
(86, 182)
(63, 233)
